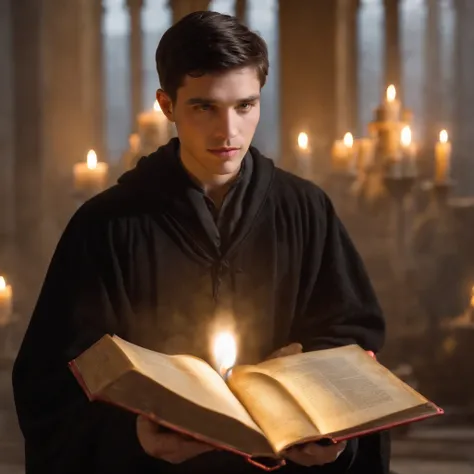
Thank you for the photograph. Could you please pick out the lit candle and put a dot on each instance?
(343, 157)
(90, 177)
(153, 128)
(408, 153)
(304, 156)
(5, 302)
(442, 158)
(225, 352)
(392, 106)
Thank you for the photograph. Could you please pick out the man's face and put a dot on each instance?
(216, 117)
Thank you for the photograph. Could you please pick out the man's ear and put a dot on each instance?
(165, 103)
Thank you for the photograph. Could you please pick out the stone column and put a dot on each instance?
(181, 8)
(432, 83)
(463, 96)
(347, 66)
(6, 133)
(241, 11)
(67, 135)
(136, 58)
(28, 145)
(392, 56)
(93, 67)
(308, 82)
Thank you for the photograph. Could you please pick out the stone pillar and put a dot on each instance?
(392, 56)
(93, 75)
(241, 11)
(28, 145)
(308, 82)
(6, 134)
(136, 59)
(347, 66)
(181, 8)
(67, 135)
(463, 96)
(432, 82)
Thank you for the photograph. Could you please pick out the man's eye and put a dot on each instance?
(245, 106)
(203, 107)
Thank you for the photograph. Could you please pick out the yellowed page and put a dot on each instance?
(190, 378)
(272, 407)
(341, 388)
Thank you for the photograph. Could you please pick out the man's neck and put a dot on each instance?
(214, 186)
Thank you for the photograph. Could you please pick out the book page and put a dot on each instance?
(341, 388)
(273, 408)
(190, 378)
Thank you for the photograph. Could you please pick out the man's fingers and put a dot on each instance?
(290, 349)
(313, 454)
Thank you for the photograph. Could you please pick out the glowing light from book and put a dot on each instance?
(348, 140)
(391, 93)
(303, 141)
(225, 352)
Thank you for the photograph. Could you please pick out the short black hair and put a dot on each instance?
(207, 42)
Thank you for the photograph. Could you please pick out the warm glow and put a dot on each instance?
(348, 140)
(472, 297)
(3, 283)
(406, 136)
(391, 93)
(156, 106)
(443, 136)
(303, 141)
(225, 351)
(92, 160)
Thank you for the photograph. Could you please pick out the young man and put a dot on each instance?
(204, 231)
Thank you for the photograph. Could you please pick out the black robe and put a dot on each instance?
(136, 261)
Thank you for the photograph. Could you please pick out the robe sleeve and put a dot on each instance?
(338, 306)
(81, 300)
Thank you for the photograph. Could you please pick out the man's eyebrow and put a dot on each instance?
(204, 100)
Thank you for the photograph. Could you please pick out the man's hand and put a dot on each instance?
(169, 446)
(291, 349)
(312, 454)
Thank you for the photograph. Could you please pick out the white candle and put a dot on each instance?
(304, 156)
(153, 128)
(90, 177)
(408, 153)
(443, 150)
(392, 106)
(343, 156)
(5, 302)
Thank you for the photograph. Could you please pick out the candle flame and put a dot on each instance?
(3, 283)
(348, 140)
(405, 136)
(391, 93)
(92, 160)
(156, 106)
(303, 141)
(443, 136)
(225, 351)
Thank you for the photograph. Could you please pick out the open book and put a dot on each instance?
(260, 410)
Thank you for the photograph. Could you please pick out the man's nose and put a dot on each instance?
(227, 124)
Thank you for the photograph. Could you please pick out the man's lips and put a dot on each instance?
(225, 152)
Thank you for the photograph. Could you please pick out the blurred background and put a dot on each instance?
(371, 99)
